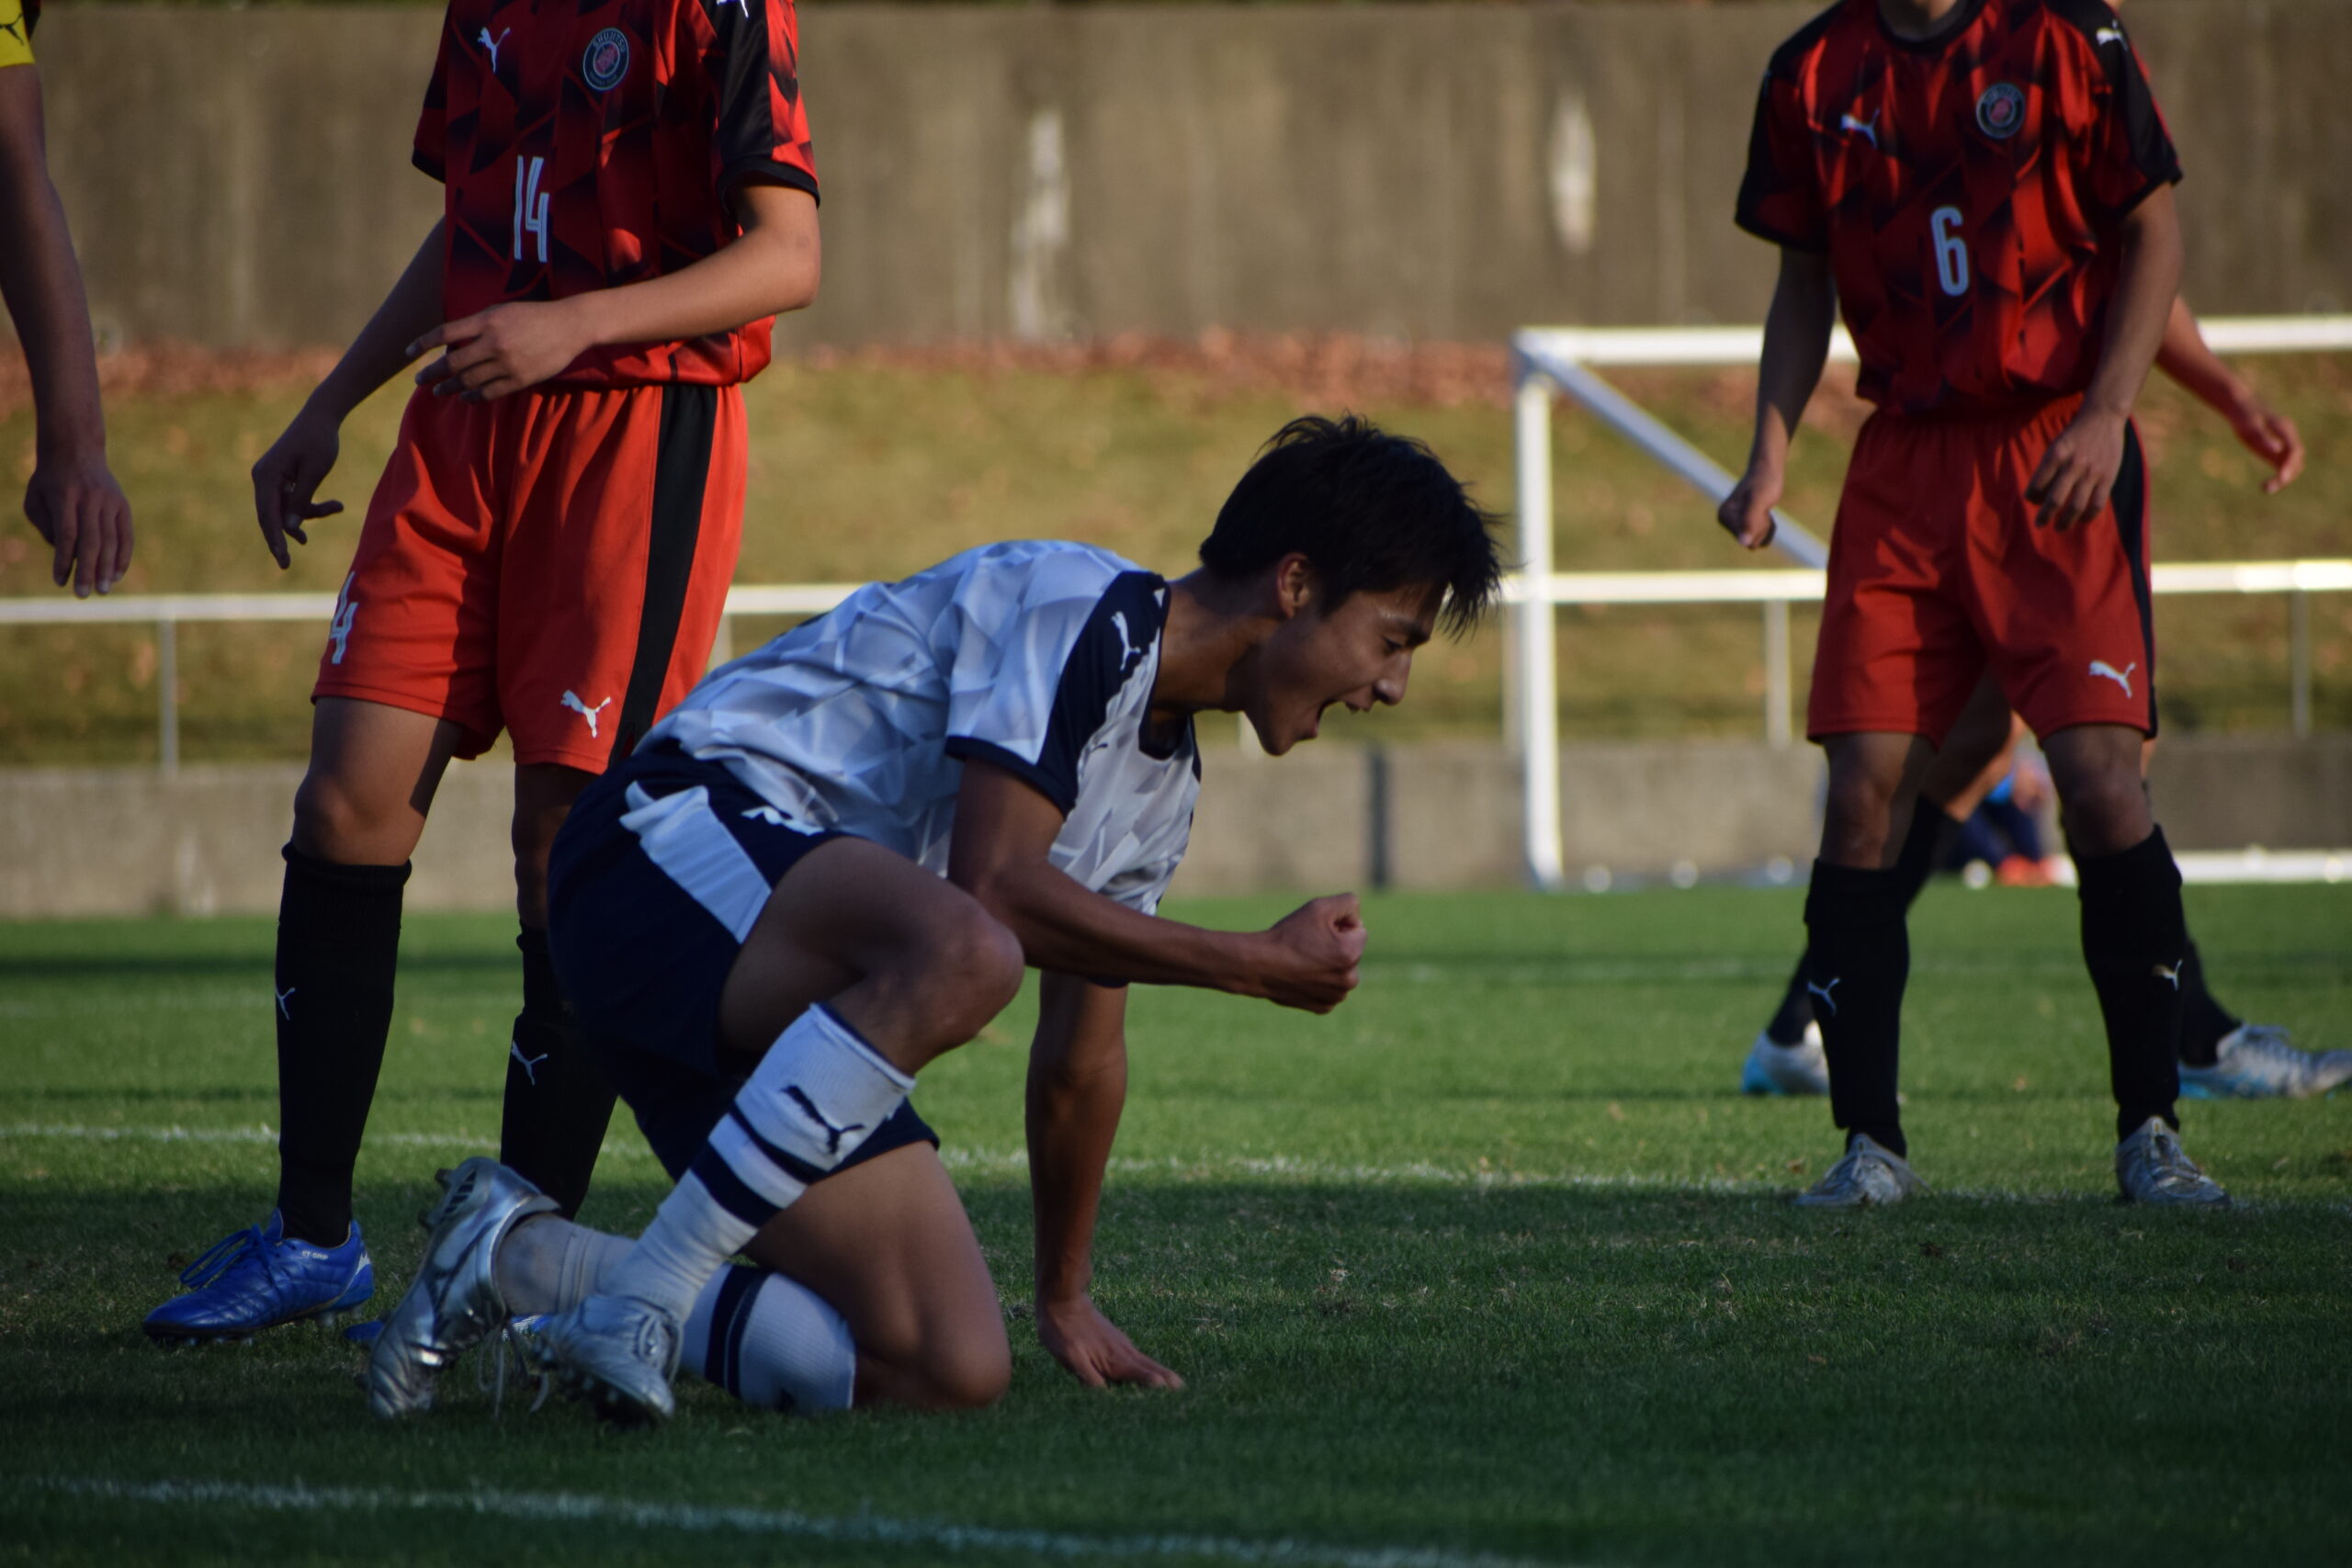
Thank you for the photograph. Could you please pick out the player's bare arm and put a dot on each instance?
(771, 269)
(73, 498)
(1078, 1085)
(1003, 838)
(2268, 434)
(287, 478)
(2077, 472)
(1796, 345)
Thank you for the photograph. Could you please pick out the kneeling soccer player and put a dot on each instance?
(828, 867)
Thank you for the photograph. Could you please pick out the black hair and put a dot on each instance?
(1370, 511)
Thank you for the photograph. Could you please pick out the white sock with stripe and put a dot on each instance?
(771, 1342)
(814, 1097)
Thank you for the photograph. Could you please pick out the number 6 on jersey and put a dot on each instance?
(1951, 250)
(531, 207)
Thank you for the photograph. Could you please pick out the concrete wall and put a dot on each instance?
(241, 177)
(1445, 816)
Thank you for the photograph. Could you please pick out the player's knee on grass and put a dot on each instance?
(963, 1363)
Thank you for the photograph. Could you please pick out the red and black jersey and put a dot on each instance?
(590, 143)
(1968, 190)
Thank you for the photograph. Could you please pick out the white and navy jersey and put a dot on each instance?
(1034, 656)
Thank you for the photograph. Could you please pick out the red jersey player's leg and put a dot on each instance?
(1897, 662)
(404, 683)
(2065, 618)
(626, 512)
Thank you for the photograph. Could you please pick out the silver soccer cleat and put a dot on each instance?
(454, 1303)
(2152, 1167)
(1871, 1176)
(1801, 1068)
(2254, 1061)
(617, 1353)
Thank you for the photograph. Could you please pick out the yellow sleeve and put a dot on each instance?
(15, 34)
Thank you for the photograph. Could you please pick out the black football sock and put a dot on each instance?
(2136, 939)
(558, 1101)
(2204, 1022)
(1787, 1027)
(338, 944)
(1858, 963)
(1931, 833)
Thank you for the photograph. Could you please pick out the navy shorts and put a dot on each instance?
(655, 880)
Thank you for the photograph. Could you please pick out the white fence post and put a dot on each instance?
(1537, 699)
(167, 694)
(1778, 730)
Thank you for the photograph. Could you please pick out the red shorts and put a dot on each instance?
(1937, 572)
(552, 563)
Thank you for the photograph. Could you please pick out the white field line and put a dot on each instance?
(1015, 1161)
(571, 1509)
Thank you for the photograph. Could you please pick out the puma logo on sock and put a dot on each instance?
(1823, 992)
(834, 1135)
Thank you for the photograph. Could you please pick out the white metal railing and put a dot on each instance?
(168, 612)
(1558, 361)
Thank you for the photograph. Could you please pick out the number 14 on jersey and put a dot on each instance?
(531, 206)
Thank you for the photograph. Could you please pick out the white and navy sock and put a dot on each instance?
(771, 1342)
(814, 1097)
(765, 1338)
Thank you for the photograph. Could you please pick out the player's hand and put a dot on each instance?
(502, 349)
(2078, 469)
(2272, 438)
(1076, 1334)
(289, 476)
(1746, 513)
(81, 511)
(1311, 954)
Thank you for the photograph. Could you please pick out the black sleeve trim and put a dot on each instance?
(2127, 208)
(430, 167)
(767, 171)
(967, 749)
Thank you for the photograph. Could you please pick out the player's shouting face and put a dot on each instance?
(1358, 651)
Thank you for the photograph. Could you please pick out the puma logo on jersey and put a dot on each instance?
(767, 814)
(1129, 652)
(2161, 973)
(834, 1135)
(2120, 677)
(1865, 129)
(530, 1065)
(1823, 992)
(571, 700)
(16, 30)
(743, 5)
(289, 991)
(2107, 35)
(491, 44)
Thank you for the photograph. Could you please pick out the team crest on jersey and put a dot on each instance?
(2000, 110)
(606, 62)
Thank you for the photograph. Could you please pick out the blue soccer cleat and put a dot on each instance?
(256, 1279)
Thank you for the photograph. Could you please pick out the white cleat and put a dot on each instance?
(454, 1303)
(1801, 1068)
(617, 1353)
(2152, 1167)
(1871, 1177)
(2254, 1061)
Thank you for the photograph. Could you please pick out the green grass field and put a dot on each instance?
(876, 466)
(1489, 1265)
